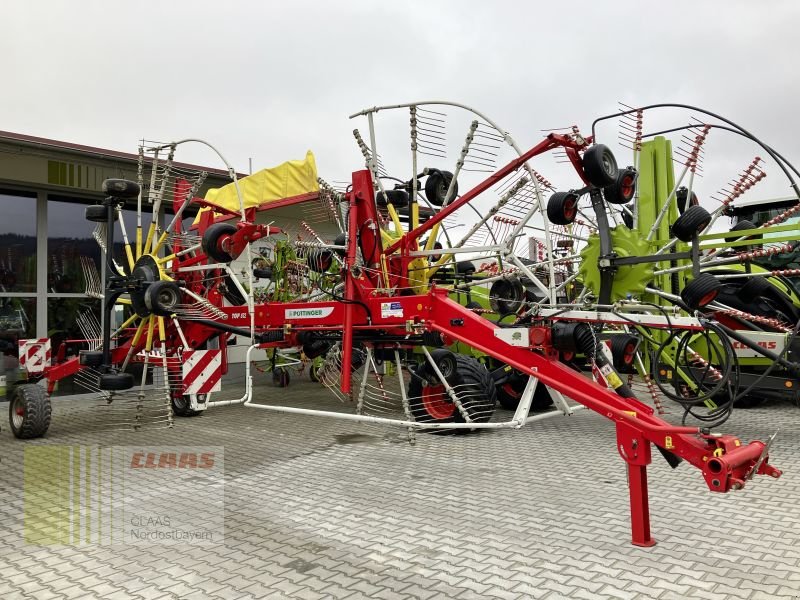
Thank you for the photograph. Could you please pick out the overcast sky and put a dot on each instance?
(269, 80)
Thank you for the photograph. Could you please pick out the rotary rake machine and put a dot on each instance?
(386, 296)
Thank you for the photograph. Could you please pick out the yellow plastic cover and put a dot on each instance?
(292, 178)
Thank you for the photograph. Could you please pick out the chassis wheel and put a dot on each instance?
(465, 267)
(562, 208)
(701, 290)
(212, 241)
(510, 393)
(624, 188)
(162, 298)
(623, 352)
(116, 382)
(692, 222)
(280, 377)
(436, 186)
(506, 296)
(320, 260)
(397, 198)
(681, 198)
(90, 358)
(98, 213)
(742, 226)
(29, 411)
(474, 386)
(756, 288)
(182, 407)
(600, 166)
(627, 217)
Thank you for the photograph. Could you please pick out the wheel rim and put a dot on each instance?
(447, 368)
(608, 164)
(17, 413)
(569, 209)
(628, 353)
(436, 403)
(167, 298)
(709, 297)
(511, 391)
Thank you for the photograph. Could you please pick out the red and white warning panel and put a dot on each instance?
(34, 355)
(202, 371)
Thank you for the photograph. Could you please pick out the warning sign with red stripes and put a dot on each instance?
(34, 355)
(202, 371)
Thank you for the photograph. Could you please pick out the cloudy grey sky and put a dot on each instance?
(269, 80)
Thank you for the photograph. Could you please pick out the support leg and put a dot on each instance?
(640, 506)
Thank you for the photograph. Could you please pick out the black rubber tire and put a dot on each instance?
(280, 377)
(562, 208)
(358, 358)
(741, 226)
(162, 298)
(29, 411)
(436, 186)
(701, 290)
(432, 339)
(232, 293)
(510, 393)
(180, 407)
(473, 304)
(623, 349)
(212, 238)
(120, 188)
(116, 382)
(623, 189)
(681, 196)
(341, 240)
(600, 166)
(90, 358)
(627, 218)
(434, 258)
(756, 288)
(506, 296)
(465, 267)
(473, 381)
(319, 260)
(397, 198)
(315, 348)
(262, 273)
(98, 213)
(446, 362)
(692, 222)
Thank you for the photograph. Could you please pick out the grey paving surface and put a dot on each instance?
(317, 508)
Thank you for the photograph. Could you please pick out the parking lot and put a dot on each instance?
(321, 508)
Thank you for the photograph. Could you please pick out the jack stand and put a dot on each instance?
(635, 450)
(640, 506)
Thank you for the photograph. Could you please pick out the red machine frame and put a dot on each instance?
(726, 463)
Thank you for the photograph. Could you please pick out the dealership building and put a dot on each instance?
(44, 239)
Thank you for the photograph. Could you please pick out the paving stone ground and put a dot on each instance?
(320, 508)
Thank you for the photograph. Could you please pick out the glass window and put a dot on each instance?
(17, 320)
(71, 248)
(70, 321)
(17, 243)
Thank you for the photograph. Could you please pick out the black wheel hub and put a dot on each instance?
(145, 272)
